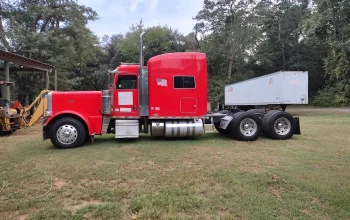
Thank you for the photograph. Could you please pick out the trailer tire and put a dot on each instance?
(245, 126)
(278, 125)
(67, 133)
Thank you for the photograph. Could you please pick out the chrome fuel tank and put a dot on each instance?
(177, 128)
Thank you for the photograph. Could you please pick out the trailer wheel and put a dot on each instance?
(245, 126)
(67, 133)
(278, 125)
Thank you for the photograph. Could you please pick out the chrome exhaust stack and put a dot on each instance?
(142, 62)
(143, 83)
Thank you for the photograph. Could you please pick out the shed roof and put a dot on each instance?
(30, 64)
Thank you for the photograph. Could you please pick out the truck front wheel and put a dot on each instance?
(67, 133)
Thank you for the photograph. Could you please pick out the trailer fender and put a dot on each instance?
(86, 121)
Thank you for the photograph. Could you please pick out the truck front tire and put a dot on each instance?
(67, 133)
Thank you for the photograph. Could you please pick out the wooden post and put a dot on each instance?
(47, 80)
(7, 94)
(55, 80)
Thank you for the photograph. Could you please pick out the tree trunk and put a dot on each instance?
(229, 74)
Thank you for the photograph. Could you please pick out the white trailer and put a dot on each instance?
(283, 88)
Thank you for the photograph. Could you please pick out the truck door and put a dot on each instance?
(126, 102)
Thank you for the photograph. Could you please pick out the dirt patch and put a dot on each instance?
(318, 202)
(271, 163)
(130, 182)
(317, 166)
(90, 181)
(102, 162)
(188, 162)
(275, 192)
(59, 183)
(217, 155)
(84, 204)
(307, 212)
(275, 177)
(23, 217)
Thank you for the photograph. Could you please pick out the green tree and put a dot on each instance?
(52, 31)
(233, 22)
(329, 24)
(157, 40)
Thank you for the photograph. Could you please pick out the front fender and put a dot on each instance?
(84, 118)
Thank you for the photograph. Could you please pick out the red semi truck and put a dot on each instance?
(168, 98)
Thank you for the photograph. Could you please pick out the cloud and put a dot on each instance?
(154, 4)
(135, 3)
(116, 16)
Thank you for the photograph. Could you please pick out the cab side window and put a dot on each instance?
(184, 82)
(127, 82)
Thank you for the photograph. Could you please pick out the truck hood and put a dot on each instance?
(86, 102)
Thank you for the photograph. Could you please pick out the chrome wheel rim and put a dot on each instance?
(282, 126)
(248, 127)
(67, 134)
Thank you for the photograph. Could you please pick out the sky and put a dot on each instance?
(116, 16)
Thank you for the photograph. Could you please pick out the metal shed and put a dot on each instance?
(27, 65)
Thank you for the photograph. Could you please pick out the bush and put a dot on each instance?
(333, 96)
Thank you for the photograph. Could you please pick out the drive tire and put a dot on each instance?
(217, 125)
(220, 130)
(67, 133)
(278, 125)
(245, 126)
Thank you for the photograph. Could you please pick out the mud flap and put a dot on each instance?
(46, 132)
(225, 121)
(297, 125)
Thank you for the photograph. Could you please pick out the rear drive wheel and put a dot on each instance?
(245, 126)
(279, 125)
(67, 133)
(217, 127)
(217, 124)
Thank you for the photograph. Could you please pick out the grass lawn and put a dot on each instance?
(211, 177)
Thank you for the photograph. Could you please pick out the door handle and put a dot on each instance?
(134, 107)
(195, 106)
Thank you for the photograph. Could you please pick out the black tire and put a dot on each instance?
(273, 130)
(220, 130)
(245, 117)
(264, 123)
(76, 136)
(217, 125)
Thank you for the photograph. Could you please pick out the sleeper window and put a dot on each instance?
(127, 82)
(184, 82)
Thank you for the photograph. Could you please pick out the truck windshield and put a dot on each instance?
(127, 82)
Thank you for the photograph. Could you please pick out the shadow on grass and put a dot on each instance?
(108, 141)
